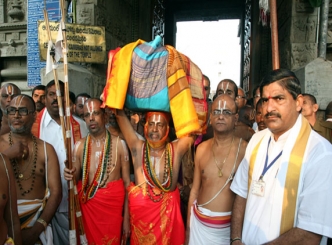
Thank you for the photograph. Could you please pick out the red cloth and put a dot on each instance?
(155, 222)
(102, 214)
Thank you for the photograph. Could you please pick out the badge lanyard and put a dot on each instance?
(267, 167)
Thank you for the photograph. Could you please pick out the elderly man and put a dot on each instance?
(36, 170)
(282, 184)
(38, 95)
(48, 127)
(216, 161)
(101, 164)
(226, 86)
(8, 91)
(154, 200)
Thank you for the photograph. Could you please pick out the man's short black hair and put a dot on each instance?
(38, 87)
(285, 78)
(82, 95)
(311, 98)
(52, 83)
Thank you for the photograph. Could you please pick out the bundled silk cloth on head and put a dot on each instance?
(146, 76)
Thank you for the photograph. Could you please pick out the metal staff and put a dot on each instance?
(274, 35)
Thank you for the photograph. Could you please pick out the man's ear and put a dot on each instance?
(299, 102)
(315, 107)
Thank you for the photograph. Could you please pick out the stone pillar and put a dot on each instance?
(316, 79)
(298, 25)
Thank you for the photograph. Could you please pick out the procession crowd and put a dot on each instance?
(261, 174)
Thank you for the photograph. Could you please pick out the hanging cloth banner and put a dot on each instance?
(264, 12)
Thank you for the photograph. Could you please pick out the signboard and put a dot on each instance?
(35, 13)
(85, 43)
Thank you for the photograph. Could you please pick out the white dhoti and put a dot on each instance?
(208, 227)
(29, 211)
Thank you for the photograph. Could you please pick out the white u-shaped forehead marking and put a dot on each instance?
(227, 85)
(222, 86)
(9, 90)
(221, 105)
(90, 107)
(18, 100)
(156, 118)
(83, 99)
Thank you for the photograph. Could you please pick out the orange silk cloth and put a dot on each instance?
(186, 94)
(155, 222)
(102, 214)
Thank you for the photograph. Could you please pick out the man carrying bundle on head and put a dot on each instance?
(154, 200)
(166, 85)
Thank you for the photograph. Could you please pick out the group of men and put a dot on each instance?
(272, 190)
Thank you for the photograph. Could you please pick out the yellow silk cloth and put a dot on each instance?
(187, 104)
(292, 178)
(118, 76)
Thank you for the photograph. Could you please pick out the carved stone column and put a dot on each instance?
(13, 42)
(303, 34)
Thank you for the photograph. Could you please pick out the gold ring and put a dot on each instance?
(24, 151)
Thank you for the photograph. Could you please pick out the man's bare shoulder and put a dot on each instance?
(204, 145)
(80, 142)
(243, 142)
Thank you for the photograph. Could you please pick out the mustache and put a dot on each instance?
(275, 114)
(55, 102)
(152, 134)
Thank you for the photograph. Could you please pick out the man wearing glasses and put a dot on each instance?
(36, 171)
(8, 91)
(216, 162)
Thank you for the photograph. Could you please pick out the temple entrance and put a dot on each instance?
(214, 46)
